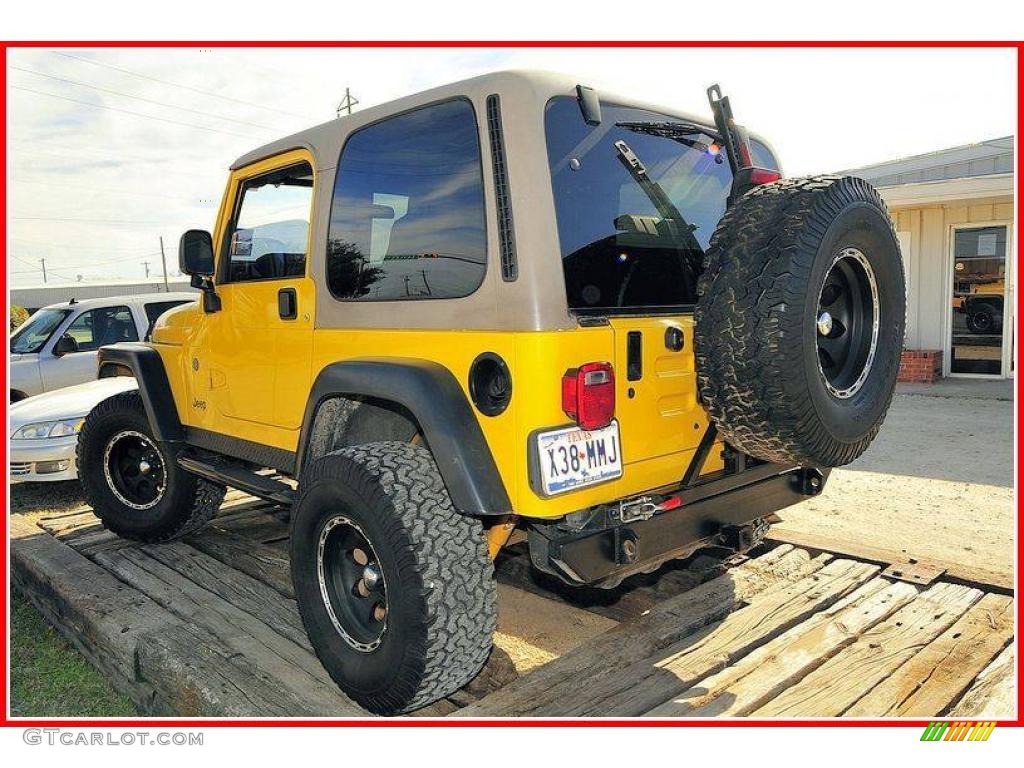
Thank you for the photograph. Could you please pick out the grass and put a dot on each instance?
(49, 678)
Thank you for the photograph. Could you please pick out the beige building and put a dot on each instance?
(953, 211)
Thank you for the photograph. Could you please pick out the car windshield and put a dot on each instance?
(635, 209)
(34, 332)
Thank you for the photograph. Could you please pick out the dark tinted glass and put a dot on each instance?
(407, 219)
(157, 308)
(99, 327)
(629, 244)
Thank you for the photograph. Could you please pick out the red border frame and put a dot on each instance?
(5, 721)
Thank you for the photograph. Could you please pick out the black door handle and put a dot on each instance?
(287, 304)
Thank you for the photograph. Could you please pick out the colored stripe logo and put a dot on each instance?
(958, 730)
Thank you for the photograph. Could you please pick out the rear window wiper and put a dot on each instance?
(677, 131)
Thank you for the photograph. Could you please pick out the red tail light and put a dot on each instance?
(759, 176)
(588, 395)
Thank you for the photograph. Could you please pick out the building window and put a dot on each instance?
(407, 218)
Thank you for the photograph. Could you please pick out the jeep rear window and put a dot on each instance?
(407, 219)
(620, 253)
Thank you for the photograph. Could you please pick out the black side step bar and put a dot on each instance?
(239, 477)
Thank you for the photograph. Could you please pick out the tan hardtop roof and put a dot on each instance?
(543, 84)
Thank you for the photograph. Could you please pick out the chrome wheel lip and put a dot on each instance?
(321, 574)
(856, 255)
(112, 485)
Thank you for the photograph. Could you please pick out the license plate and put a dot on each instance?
(571, 458)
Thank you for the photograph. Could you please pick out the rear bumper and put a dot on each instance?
(710, 511)
(49, 460)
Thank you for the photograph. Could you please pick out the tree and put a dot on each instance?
(18, 316)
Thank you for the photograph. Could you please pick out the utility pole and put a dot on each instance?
(163, 258)
(146, 265)
(346, 104)
(43, 262)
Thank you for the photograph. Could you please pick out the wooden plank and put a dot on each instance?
(994, 694)
(260, 561)
(638, 687)
(99, 615)
(280, 660)
(941, 673)
(979, 578)
(68, 525)
(836, 685)
(263, 524)
(235, 587)
(763, 674)
(163, 665)
(639, 594)
(633, 641)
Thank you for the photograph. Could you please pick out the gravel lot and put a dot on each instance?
(938, 480)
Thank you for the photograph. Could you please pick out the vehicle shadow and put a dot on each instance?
(47, 498)
(960, 439)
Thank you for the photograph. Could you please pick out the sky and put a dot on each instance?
(110, 150)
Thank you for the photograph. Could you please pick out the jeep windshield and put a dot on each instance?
(36, 331)
(637, 199)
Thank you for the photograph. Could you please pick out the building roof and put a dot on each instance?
(986, 158)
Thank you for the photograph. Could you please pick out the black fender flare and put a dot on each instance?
(433, 396)
(154, 387)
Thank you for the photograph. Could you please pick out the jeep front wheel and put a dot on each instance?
(395, 587)
(132, 481)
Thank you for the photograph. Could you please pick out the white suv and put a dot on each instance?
(56, 347)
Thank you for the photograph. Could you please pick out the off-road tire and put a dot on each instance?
(441, 596)
(994, 323)
(188, 502)
(756, 320)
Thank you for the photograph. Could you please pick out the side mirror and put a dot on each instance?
(195, 253)
(65, 344)
(195, 258)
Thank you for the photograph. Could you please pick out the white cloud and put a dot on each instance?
(93, 188)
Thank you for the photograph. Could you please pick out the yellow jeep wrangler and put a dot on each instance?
(513, 302)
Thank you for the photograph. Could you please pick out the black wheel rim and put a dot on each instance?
(847, 323)
(352, 584)
(134, 470)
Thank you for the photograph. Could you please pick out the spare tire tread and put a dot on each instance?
(747, 340)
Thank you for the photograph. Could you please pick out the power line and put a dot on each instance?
(179, 85)
(130, 112)
(90, 221)
(86, 188)
(144, 99)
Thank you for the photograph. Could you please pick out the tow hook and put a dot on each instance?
(809, 481)
(644, 508)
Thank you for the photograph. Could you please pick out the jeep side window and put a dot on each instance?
(99, 327)
(269, 234)
(407, 219)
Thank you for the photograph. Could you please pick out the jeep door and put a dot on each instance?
(260, 341)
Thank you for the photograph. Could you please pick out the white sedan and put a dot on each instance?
(44, 428)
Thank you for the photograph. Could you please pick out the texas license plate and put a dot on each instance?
(571, 458)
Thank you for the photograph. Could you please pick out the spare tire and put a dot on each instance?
(799, 321)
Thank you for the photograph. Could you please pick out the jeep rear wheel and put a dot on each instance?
(132, 481)
(799, 322)
(395, 587)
